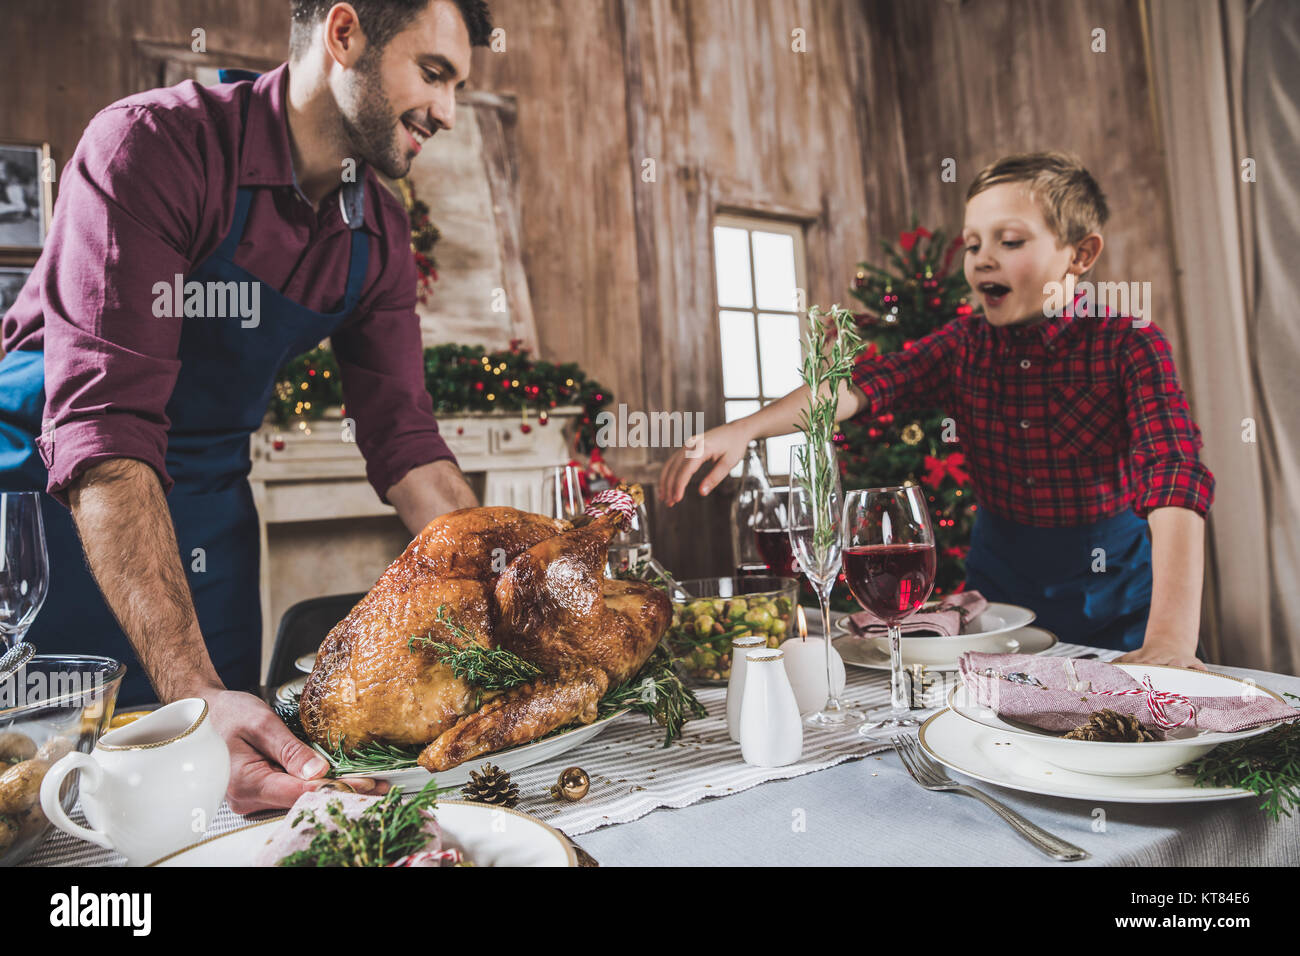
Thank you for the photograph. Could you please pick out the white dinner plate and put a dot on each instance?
(1123, 759)
(306, 662)
(287, 691)
(485, 835)
(868, 653)
(999, 758)
(516, 758)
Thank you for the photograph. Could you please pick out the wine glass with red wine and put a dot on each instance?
(816, 529)
(889, 563)
(767, 517)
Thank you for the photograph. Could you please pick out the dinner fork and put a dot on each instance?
(931, 776)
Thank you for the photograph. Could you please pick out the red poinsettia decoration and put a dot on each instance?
(908, 239)
(937, 469)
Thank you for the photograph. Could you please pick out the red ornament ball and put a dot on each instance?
(278, 444)
(525, 428)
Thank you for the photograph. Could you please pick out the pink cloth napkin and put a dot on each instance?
(946, 618)
(1072, 689)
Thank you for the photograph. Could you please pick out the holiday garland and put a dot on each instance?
(460, 378)
(916, 294)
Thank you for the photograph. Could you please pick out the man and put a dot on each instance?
(256, 204)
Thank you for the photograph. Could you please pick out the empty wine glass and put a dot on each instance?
(562, 492)
(630, 548)
(816, 530)
(24, 565)
(889, 563)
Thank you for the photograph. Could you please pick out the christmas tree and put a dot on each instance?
(916, 294)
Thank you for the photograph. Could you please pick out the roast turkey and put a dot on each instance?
(503, 578)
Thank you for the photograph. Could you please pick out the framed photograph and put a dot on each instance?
(11, 283)
(26, 197)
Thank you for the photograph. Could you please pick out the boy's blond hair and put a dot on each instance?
(1071, 201)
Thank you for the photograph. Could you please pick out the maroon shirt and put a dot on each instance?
(149, 193)
(1065, 422)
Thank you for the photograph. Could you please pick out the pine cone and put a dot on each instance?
(492, 786)
(1107, 725)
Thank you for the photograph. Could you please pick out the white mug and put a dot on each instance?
(149, 788)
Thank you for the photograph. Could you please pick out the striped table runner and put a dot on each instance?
(631, 772)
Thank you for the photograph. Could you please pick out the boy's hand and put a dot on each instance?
(1155, 650)
(724, 445)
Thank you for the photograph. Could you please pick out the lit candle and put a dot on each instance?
(803, 623)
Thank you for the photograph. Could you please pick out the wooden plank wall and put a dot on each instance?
(61, 61)
(847, 137)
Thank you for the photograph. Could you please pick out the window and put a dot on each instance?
(760, 278)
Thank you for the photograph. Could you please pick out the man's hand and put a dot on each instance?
(724, 445)
(1156, 650)
(270, 768)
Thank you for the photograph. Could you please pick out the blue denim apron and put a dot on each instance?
(1088, 584)
(221, 395)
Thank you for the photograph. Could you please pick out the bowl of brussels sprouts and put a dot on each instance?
(715, 611)
(54, 704)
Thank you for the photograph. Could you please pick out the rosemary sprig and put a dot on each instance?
(1268, 765)
(658, 692)
(383, 833)
(372, 757)
(832, 345)
(487, 669)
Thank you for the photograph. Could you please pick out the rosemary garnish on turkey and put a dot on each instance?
(486, 669)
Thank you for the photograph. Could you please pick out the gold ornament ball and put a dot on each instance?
(913, 433)
(572, 785)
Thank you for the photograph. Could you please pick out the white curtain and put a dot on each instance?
(1226, 92)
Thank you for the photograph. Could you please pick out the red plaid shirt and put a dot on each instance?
(1062, 423)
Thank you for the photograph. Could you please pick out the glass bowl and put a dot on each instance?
(721, 609)
(55, 704)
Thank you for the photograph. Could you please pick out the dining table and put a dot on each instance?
(847, 802)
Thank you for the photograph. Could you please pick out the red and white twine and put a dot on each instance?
(613, 500)
(1157, 701)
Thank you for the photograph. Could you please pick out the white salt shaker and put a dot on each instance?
(740, 646)
(771, 733)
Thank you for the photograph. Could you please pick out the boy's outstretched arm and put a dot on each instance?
(1177, 571)
(723, 446)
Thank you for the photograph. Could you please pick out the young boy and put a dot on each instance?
(1077, 431)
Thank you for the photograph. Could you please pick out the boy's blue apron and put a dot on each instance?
(1088, 584)
(221, 395)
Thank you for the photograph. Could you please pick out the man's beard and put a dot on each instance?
(369, 121)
